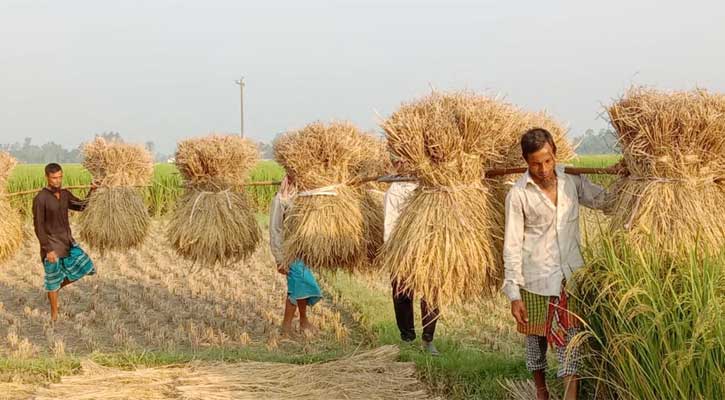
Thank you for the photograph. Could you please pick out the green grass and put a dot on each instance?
(462, 371)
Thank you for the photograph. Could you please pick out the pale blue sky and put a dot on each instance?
(163, 70)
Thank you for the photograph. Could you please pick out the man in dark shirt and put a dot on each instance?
(63, 260)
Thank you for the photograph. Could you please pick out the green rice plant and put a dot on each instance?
(261, 196)
(164, 191)
(598, 161)
(655, 325)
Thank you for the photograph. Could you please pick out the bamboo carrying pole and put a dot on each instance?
(392, 178)
(34, 191)
(500, 172)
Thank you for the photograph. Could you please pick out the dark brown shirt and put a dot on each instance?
(50, 218)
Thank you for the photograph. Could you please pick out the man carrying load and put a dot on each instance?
(541, 252)
(395, 198)
(63, 260)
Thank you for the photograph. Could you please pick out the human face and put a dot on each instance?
(55, 180)
(541, 166)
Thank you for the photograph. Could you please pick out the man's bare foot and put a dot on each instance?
(286, 329)
(306, 326)
(542, 394)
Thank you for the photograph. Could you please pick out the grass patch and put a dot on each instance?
(462, 371)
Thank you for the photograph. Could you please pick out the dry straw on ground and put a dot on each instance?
(11, 227)
(214, 222)
(326, 226)
(523, 389)
(116, 217)
(447, 243)
(374, 374)
(674, 149)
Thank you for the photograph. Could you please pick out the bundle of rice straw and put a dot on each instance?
(674, 149)
(378, 163)
(326, 224)
(116, 217)
(444, 246)
(213, 221)
(11, 226)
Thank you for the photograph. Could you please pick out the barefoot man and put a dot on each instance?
(63, 260)
(541, 251)
(302, 287)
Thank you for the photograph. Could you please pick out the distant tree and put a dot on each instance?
(603, 142)
(110, 136)
(266, 150)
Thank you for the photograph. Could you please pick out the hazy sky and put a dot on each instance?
(163, 70)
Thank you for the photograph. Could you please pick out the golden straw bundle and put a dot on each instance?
(674, 149)
(443, 246)
(213, 222)
(326, 225)
(377, 163)
(216, 162)
(11, 226)
(116, 217)
(7, 163)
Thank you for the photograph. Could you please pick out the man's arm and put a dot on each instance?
(76, 204)
(276, 231)
(513, 246)
(591, 195)
(39, 225)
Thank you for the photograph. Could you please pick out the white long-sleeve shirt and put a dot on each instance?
(542, 240)
(276, 227)
(395, 198)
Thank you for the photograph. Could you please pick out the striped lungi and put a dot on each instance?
(73, 267)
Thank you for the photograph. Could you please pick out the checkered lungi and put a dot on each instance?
(551, 321)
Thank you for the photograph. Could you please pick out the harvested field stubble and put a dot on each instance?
(182, 311)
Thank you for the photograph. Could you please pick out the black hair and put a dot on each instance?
(534, 140)
(52, 168)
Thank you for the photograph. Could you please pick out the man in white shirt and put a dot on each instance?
(541, 252)
(395, 198)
